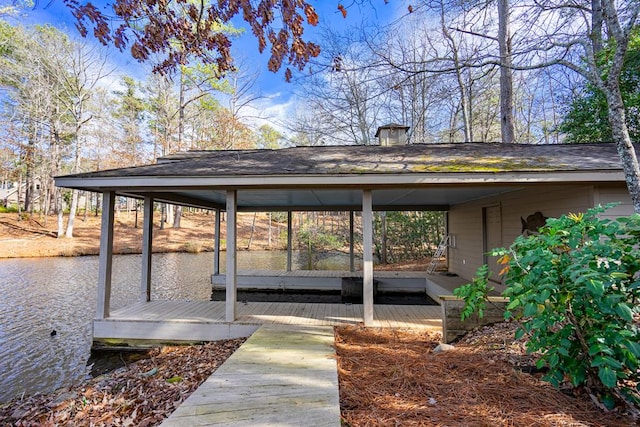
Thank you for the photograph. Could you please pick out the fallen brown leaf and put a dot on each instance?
(125, 397)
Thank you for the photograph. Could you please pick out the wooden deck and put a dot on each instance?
(175, 321)
(205, 320)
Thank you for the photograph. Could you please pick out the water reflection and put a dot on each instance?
(40, 295)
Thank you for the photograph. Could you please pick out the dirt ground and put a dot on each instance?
(37, 236)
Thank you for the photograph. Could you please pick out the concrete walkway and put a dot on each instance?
(281, 376)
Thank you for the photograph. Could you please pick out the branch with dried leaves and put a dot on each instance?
(155, 27)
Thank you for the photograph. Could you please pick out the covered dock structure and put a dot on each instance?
(364, 179)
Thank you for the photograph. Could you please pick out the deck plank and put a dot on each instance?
(384, 316)
(281, 376)
(172, 317)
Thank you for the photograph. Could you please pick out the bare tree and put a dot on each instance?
(241, 107)
(506, 74)
(76, 70)
(591, 38)
(345, 90)
(162, 103)
(416, 97)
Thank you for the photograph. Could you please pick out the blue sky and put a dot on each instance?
(278, 93)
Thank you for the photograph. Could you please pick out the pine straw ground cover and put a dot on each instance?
(393, 378)
(142, 394)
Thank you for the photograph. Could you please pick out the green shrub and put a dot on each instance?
(279, 217)
(475, 294)
(316, 239)
(9, 209)
(576, 287)
(409, 235)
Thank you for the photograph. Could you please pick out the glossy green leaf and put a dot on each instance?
(624, 311)
(530, 309)
(607, 376)
(633, 347)
(595, 287)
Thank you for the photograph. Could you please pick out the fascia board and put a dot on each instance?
(363, 180)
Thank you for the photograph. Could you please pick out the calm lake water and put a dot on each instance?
(39, 295)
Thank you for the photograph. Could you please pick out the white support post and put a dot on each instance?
(147, 250)
(289, 237)
(216, 245)
(352, 261)
(106, 255)
(367, 257)
(232, 282)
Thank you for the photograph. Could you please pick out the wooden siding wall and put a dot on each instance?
(465, 223)
(604, 194)
(465, 220)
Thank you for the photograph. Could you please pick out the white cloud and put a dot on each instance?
(276, 110)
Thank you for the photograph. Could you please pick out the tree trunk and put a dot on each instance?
(60, 211)
(596, 25)
(181, 111)
(46, 204)
(626, 151)
(383, 253)
(507, 129)
(29, 178)
(28, 190)
(86, 206)
(135, 222)
(611, 88)
(168, 216)
(269, 232)
(465, 98)
(19, 196)
(72, 214)
(177, 217)
(253, 229)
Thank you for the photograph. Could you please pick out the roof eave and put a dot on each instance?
(365, 180)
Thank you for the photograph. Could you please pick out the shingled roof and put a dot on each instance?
(425, 176)
(405, 159)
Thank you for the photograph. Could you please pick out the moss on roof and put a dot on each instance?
(405, 159)
(488, 164)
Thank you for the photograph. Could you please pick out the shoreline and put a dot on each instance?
(144, 392)
(29, 238)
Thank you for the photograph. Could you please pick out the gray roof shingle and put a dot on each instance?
(405, 159)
